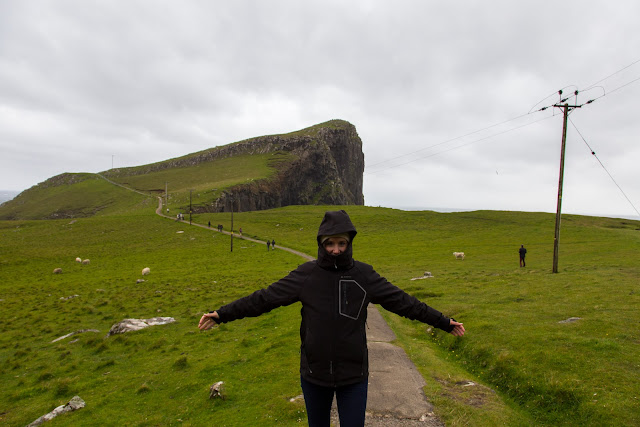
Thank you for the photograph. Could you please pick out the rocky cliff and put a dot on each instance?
(327, 169)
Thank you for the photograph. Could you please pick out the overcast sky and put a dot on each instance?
(445, 95)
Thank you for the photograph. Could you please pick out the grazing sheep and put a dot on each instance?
(57, 270)
(217, 390)
(85, 261)
(146, 271)
(78, 259)
(458, 255)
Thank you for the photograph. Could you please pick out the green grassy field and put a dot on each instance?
(529, 368)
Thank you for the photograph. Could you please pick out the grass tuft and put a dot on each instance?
(144, 388)
(180, 363)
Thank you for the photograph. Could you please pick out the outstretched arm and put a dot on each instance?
(207, 322)
(458, 328)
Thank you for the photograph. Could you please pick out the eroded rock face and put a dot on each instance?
(328, 169)
(128, 325)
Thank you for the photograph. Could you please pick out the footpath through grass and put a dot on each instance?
(529, 368)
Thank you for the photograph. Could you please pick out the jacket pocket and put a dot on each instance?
(352, 298)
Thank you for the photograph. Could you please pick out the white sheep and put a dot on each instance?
(85, 261)
(57, 270)
(146, 271)
(78, 259)
(458, 255)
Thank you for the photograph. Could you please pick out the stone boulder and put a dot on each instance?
(128, 325)
(74, 404)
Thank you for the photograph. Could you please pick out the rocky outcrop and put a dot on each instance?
(328, 170)
(74, 404)
(128, 325)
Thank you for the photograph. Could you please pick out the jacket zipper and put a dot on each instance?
(334, 319)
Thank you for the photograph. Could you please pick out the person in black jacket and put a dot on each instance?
(522, 251)
(335, 291)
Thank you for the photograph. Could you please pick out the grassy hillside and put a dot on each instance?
(529, 368)
(81, 194)
(202, 183)
(72, 196)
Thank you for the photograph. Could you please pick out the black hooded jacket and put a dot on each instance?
(335, 292)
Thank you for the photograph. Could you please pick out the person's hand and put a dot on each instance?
(458, 328)
(206, 321)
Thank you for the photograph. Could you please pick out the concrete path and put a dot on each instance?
(395, 385)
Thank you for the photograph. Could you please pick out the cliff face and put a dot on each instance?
(328, 169)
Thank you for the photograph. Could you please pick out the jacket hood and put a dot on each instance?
(336, 222)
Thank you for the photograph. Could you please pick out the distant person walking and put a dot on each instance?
(273, 244)
(209, 224)
(268, 245)
(335, 291)
(522, 251)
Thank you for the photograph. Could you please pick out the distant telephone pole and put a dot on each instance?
(556, 240)
(231, 223)
(190, 191)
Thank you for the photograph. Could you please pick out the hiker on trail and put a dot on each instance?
(335, 291)
(522, 252)
(268, 244)
(209, 224)
(273, 244)
(240, 230)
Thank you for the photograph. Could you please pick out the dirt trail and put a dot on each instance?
(395, 385)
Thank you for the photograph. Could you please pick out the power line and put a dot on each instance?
(613, 74)
(593, 86)
(445, 142)
(562, 100)
(624, 85)
(603, 167)
(456, 147)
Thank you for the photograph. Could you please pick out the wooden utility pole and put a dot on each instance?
(231, 223)
(556, 241)
(190, 191)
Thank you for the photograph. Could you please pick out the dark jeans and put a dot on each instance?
(351, 399)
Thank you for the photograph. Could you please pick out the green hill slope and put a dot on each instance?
(74, 196)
